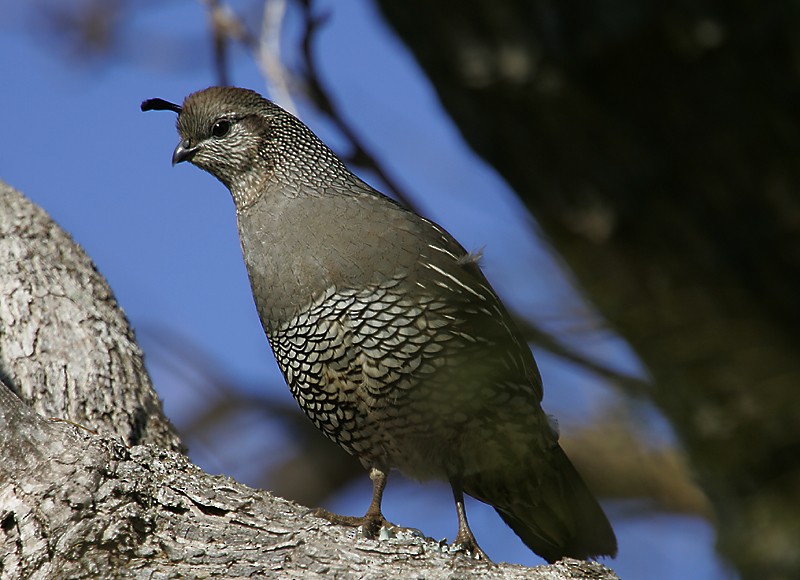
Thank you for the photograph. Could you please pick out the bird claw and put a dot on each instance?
(470, 548)
(371, 525)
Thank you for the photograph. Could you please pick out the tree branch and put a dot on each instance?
(66, 347)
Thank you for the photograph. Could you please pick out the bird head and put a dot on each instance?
(222, 131)
(245, 141)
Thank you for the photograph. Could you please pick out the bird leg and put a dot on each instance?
(465, 540)
(372, 521)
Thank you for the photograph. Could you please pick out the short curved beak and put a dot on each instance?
(183, 152)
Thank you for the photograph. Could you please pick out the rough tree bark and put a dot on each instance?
(104, 491)
(656, 145)
(66, 346)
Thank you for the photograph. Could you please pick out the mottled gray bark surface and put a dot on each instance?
(66, 348)
(120, 501)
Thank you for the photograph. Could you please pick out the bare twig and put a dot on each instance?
(266, 50)
(360, 154)
(630, 384)
(226, 27)
(618, 463)
(268, 54)
(219, 40)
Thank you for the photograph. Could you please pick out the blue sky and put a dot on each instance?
(76, 143)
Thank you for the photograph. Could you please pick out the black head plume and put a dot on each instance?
(160, 105)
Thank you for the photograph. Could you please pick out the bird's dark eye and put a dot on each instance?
(220, 128)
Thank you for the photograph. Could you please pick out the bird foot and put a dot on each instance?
(370, 524)
(465, 542)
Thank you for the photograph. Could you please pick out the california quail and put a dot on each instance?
(386, 331)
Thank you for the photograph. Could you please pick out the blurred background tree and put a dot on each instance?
(655, 144)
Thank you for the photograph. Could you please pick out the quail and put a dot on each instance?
(386, 331)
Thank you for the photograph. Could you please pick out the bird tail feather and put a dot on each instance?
(553, 511)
